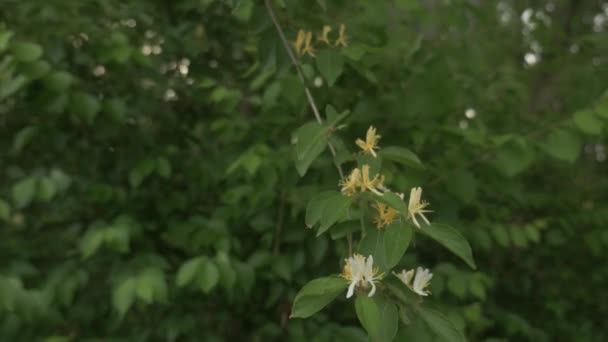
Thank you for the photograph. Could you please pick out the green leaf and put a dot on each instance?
(372, 243)
(315, 295)
(208, 276)
(46, 189)
(397, 238)
(5, 210)
(26, 52)
(563, 145)
(330, 64)
(463, 185)
(378, 316)
(123, 295)
(457, 285)
(440, 325)
(188, 271)
(151, 285)
(311, 141)
(163, 167)
(141, 171)
(514, 157)
(228, 275)
(90, 243)
(36, 69)
(85, 106)
(451, 239)
(58, 81)
(23, 137)
(335, 208)
(333, 117)
(587, 122)
(315, 207)
(24, 191)
(401, 155)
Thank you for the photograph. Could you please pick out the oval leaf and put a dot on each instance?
(315, 295)
(451, 239)
(441, 325)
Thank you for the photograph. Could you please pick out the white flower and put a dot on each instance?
(421, 280)
(360, 273)
(416, 207)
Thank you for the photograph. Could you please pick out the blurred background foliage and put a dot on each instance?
(148, 188)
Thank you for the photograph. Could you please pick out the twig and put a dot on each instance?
(300, 73)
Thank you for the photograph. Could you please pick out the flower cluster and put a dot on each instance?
(360, 272)
(304, 45)
(421, 280)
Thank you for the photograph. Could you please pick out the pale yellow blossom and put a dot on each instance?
(360, 273)
(416, 207)
(342, 37)
(371, 141)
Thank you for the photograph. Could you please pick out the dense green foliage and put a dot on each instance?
(149, 189)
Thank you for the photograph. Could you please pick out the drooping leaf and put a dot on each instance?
(335, 208)
(587, 122)
(310, 141)
(316, 294)
(397, 238)
(440, 325)
(379, 317)
(315, 207)
(188, 271)
(563, 145)
(401, 155)
(330, 64)
(451, 239)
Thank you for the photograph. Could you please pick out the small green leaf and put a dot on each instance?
(563, 145)
(335, 208)
(333, 117)
(397, 238)
(123, 295)
(46, 189)
(372, 243)
(315, 207)
(401, 155)
(85, 106)
(36, 69)
(24, 191)
(163, 167)
(151, 285)
(451, 239)
(188, 271)
(514, 157)
(5, 210)
(23, 138)
(26, 52)
(378, 316)
(587, 122)
(228, 275)
(330, 64)
(58, 81)
(90, 243)
(315, 295)
(310, 141)
(141, 171)
(208, 276)
(440, 325)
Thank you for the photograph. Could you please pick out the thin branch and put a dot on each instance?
(300, 73)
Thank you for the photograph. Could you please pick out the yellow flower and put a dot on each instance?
(325, 35)
(299, 42)
(370, 184)
(422, 280)
(360, 273)
(342, 38)
(386, 215)
(371, 141)
(349, 186)
(416, 207)
(308, 48)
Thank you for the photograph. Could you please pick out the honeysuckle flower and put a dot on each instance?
(371, 184)
(325, 35)
(386, 215)
(350, 184)
(299, 42)
(308, 48)
(371, 141)
(416, 207)
(360, 273)
(342, 38)
(421, 280)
